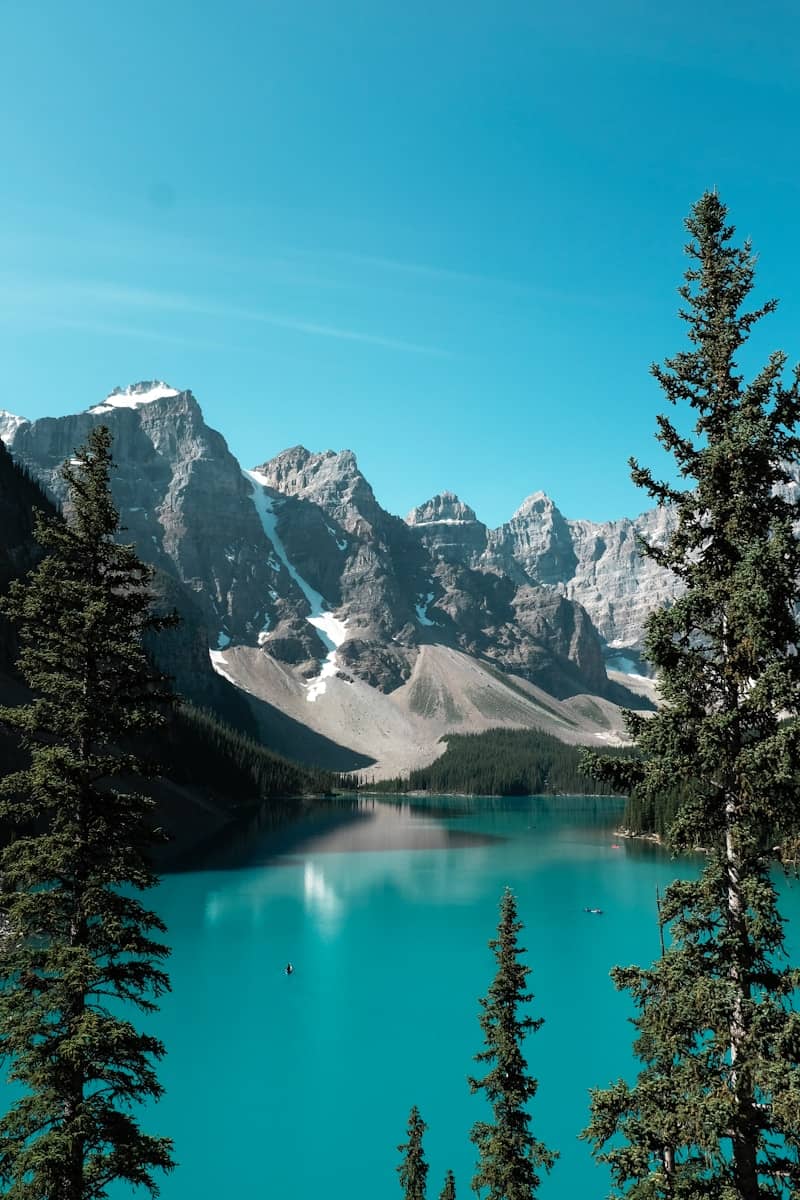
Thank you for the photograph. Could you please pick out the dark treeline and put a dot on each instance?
(648, 814)
(19, 497)
(195, 749)
(203, 751)
(502, 762)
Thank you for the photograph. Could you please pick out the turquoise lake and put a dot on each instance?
(300, 1086)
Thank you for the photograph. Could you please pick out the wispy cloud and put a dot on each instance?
(116, 329)
(349, 335)
(64, 295)
(108, 244)
(524, 290)
(424, 270)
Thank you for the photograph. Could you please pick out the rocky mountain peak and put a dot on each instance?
(443, 509)
(330, 479)
(9, 424)
(536, 542)
(185, 505)
(448, 529)
(538, 504)
(134, 395)
(298, 472)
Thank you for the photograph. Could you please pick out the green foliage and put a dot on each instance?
(19, 497)
(720, 650)
(648, 813)
(198, 748)
(716, 1108)
(503, 762)
(80, 951)
(413, 1169)
(678, 1121)
(509, 1156)
(448, 1192)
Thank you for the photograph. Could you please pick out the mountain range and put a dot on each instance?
(350, 637)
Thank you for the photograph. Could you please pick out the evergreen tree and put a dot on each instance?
(679, 1122)
(509, 1156)
(413, 1169)
(502, 762)
(80, 951)
(448, 1192)
(719, 1041)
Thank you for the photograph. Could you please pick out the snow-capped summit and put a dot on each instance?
(9, 424)
(134, 395)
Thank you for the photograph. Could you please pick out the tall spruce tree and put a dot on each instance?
(79, 951)
(413, 1169)
(509, 1156)
(716, 1109)
(448, 1192)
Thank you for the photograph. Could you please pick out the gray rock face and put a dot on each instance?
(402, 584)
(449, 529)
(537, 539)
(360, 558)
(181, 652)
(442, 509)
(184, 503)
(255, 558)
(566, 630)
(599, 565)
(614, 582)
(331, 481)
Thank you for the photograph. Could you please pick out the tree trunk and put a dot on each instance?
(744, 1133)
(73, 1104)
(72, 1183)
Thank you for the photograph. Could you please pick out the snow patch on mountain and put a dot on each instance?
(265, 507)
(318, 685)
(442, 521)
(331, 629)
(333, 632)
(9, 424)
(135, 395)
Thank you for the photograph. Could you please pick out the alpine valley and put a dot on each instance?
(337, 633)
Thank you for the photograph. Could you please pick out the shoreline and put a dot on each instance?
(417, 793)
(655, 838)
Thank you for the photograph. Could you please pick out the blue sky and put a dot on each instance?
(445, 235)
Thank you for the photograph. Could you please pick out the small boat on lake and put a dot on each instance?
(595, 911)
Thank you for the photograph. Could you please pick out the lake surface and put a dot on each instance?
(300, 1087)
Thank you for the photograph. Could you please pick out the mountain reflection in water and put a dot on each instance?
(344, 824)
